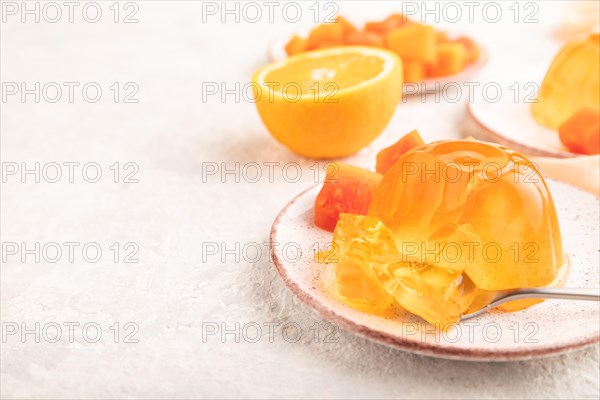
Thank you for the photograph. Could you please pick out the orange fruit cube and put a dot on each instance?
(347, 27)
(414, 42)
(441, 37)
(365, 39)
(325, 33)
(388, 156)
(392, 22)
(414, 71)
(581, 133)
(451, 58)
(347, 189)
(472, 48)
(324, 45)
(295, 45)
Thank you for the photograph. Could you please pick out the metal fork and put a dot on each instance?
(539, 293)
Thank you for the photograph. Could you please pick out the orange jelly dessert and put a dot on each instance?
(572, 82)
(450, 224)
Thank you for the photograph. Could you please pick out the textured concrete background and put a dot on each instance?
(172, 297)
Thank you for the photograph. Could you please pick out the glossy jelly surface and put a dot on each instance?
(572, 82)
(451, 223)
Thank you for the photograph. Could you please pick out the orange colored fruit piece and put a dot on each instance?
(332, 33)
(340, 98)
(347, 189)
(365, 39)
(414, 71)
(441, 37)
(581, 133)
(387, 25)
(451, 58)
(295, 45)
(324, 45)
(347, 27)
(322, 36)
(388, 156)
(473, 51)
(414, 42)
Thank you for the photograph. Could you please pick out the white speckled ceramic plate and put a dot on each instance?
(510, 122)
(277, 52)
(551, 327)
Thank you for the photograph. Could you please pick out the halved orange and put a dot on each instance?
(331, 102)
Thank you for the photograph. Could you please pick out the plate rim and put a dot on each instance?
(504, 140)
(471, 354)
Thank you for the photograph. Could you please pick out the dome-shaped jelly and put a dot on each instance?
(473, 206)
(572, 82)
(466, 218)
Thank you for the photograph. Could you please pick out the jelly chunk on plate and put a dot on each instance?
(372, 274)
(358, 243)
(438, 295)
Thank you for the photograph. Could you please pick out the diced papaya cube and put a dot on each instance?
(441, 37)
(376, 27)
(472, 48)
(451, 59)
(365, 39)
(388, 156)
(414, 42)
(324, 45)
(295, 45)
(347, 27)
(325, 33)
(397, 20)
(387, 25)
(347, 189)
(414, 71)
(581, 133)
